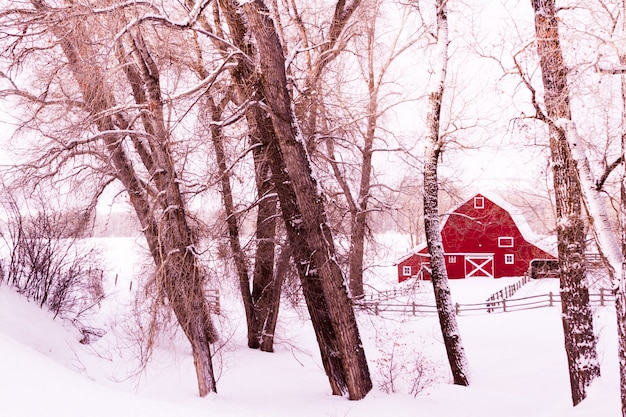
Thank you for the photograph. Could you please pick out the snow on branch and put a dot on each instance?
(122, 5)
(616, 70)
(606, 239)
(193, 16)
(209, 80)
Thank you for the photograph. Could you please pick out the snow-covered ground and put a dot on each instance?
(517, 360)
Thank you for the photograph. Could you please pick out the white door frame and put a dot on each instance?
(479, 263)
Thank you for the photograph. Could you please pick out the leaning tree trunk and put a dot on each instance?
(234, 242)
(170, 240)
(309, 202)
(263, 129)
(301, 253)
(266, 281)
(580, 341)
(261, 297)
(439, 276)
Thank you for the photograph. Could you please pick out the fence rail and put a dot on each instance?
(603, 298)
(213, 297)
(508, 291)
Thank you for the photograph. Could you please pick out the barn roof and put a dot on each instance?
(545, 243)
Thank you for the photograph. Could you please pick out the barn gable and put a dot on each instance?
(481, 239)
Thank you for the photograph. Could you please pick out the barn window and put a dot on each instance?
(452, 259)
(406, 271)
(509, 259)
(479, 202)
(505, 242)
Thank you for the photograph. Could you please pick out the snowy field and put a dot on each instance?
(517, 359)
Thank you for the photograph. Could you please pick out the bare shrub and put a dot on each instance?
(401, 367)
(48, 262)
(150, 328)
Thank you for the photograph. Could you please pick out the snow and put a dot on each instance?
(603, 231)
(517, 361)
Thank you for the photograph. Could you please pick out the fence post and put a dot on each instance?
(376, 308)
(504, 305)
(602, 297)
(413, 308)
(457, 308)
(551, 299)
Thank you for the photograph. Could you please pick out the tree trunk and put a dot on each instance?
(232, 223)
(580, 341)
(353, 376)
(359, 217)
(267, 283)
(439, 276)
(170, 240)
(261, 298)
(263, 130)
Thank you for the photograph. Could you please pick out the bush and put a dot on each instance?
(48, 263)
(401, 367)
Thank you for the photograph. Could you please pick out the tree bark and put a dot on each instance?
(432, 150)
(234, 242)
(352, 376)
(267, 281)
(580, 341)
(261, 297)
(169, 237)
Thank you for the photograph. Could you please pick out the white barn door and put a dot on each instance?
(478, 266)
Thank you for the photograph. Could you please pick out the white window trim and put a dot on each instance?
(406, 271)
(452, 259)
(479, 202)
(509, 259)
(503, 245)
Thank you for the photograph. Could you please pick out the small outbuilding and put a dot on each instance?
(481, 238)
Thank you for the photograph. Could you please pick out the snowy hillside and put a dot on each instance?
(517, 360)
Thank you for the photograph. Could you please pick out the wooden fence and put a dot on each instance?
(603, 298)
(389, 294)
(213, 296)
(509, 290)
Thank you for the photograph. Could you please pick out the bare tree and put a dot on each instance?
(348, 127)
(131, 142)
(302, 205)
(432, 150)
(580, 340)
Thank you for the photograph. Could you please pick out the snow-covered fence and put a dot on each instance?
(388, 294)
(603, 298)
(507, 291)
(213, 296)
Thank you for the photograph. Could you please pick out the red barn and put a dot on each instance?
(480, 239)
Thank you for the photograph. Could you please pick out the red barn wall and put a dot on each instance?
(482, 227)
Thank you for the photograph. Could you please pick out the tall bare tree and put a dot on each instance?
(580, 340)
(356, 126)
(130, 142)
(261, 287)
(302, 207)
(432, 151)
